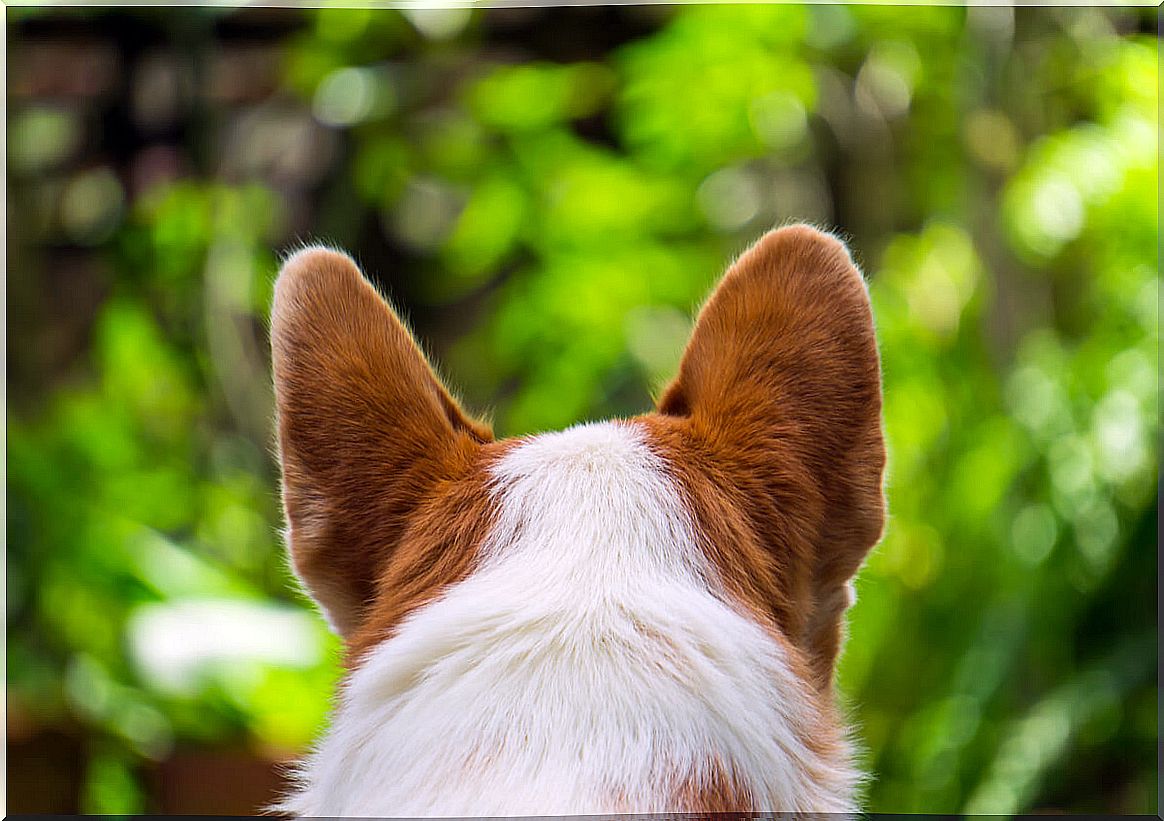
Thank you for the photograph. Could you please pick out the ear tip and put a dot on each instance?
(806, 235)
(803, 245)
(315, 262)
(312, 268)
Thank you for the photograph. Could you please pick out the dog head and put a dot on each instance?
(758, 476)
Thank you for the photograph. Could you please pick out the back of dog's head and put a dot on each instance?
(639, 615)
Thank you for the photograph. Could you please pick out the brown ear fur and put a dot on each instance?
(366, 429)
(779, 394)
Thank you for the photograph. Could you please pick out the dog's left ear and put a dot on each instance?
(367, 430)
(781, 384)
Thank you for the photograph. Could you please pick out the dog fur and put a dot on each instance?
(630, 616)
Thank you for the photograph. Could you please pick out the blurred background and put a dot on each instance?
(548, 194)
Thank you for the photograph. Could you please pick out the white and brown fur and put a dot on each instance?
(630, 616)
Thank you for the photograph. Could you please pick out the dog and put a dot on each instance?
(630, 616)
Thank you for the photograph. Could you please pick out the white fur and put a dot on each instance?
(591, 655)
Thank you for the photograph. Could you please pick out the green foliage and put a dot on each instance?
(554, 224)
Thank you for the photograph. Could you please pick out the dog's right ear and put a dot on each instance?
(366, 429)
(781, 382)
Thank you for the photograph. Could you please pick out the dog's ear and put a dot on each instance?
(781, 383)
(366, 429)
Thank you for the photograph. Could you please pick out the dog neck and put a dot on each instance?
(591, 662)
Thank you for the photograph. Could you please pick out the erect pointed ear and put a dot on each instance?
(781, 383)
(366, 429)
